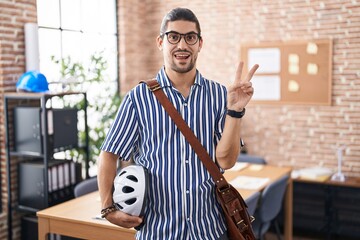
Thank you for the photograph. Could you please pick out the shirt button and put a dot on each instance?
(185, 104)
(187, 191)
(188, 219)
(187, 161)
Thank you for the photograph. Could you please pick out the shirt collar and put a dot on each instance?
(164, 81)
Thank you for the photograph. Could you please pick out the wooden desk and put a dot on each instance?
(76, 217)
(273, 173)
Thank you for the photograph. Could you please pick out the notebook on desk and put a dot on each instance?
(239, 166)
(314, 173)
(249, 182)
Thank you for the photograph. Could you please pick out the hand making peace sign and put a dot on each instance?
(241, 91)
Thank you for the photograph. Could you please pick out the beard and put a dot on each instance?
(183, 69)
(178, 69)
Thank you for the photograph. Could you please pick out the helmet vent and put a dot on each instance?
(127, 189)
(130, 190)
(132, 178)
(130, 201)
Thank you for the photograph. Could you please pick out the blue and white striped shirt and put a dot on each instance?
(181, 198)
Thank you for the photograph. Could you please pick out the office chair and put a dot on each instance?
(250, 159)
(252, 202)
(269, 207)
(86, 186)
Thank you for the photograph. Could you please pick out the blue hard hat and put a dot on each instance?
(32, 81)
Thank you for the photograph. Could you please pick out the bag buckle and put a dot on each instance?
(242, 225)
(154, 87)
(223, 189)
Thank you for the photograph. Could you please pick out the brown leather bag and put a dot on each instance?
(234, 207)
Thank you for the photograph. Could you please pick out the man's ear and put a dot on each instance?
(159, 41)
(200, 43)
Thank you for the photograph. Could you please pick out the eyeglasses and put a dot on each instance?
(175, 37)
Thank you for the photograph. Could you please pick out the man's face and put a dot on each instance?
(180, 57)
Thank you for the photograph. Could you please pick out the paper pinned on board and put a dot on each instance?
(311, 48)
(269, 59)
(312, 68)
(249, 182)
(267, 87)
(294, 69)
(293, 86)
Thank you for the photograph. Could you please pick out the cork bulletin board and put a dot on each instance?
(293, 72)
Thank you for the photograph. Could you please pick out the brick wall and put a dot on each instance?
(13, 15)
(289, 135)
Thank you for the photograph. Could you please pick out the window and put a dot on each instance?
(76, 29)
(79, 29)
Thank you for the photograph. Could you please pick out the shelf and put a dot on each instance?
(27, 95)
(329, 209)
(33, 154)
(35, 131)
(25, 154)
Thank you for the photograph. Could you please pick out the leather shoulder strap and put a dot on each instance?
(219, 179)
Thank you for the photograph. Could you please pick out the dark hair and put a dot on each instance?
(179, 14)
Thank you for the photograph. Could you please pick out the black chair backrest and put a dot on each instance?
(252, 202)
(86, 186)
(251, 159)
(271, 199)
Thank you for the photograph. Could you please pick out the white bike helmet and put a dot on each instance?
(130, 190)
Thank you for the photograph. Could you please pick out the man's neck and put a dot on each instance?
(182, 81)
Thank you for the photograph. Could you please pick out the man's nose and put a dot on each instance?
(182, 44)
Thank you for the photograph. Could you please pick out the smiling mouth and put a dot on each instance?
(181, 55)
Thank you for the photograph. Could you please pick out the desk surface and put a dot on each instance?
(77, 217)
(349, 182)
